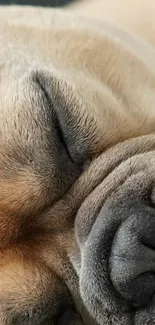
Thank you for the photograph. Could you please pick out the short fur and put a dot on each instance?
(77, 171)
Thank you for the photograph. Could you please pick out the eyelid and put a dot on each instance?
(62, 139)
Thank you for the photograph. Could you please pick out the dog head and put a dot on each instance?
(68, 93)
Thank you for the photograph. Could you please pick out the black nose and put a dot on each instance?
(132, 261)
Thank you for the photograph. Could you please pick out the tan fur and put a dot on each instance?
(135, 15)
(94, 83)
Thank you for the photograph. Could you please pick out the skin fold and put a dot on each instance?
(76, 171)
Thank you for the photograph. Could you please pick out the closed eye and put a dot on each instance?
(57, 124)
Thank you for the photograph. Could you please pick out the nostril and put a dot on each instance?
(132, 263)
(143, 288)
(137, 290)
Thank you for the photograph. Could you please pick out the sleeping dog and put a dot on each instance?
(77, 171)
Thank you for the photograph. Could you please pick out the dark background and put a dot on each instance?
(53, 3)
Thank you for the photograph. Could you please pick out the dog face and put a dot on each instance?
(63, 112)
(28, 287)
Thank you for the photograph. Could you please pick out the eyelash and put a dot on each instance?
(31, 312)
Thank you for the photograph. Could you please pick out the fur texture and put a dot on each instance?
(76, 171)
